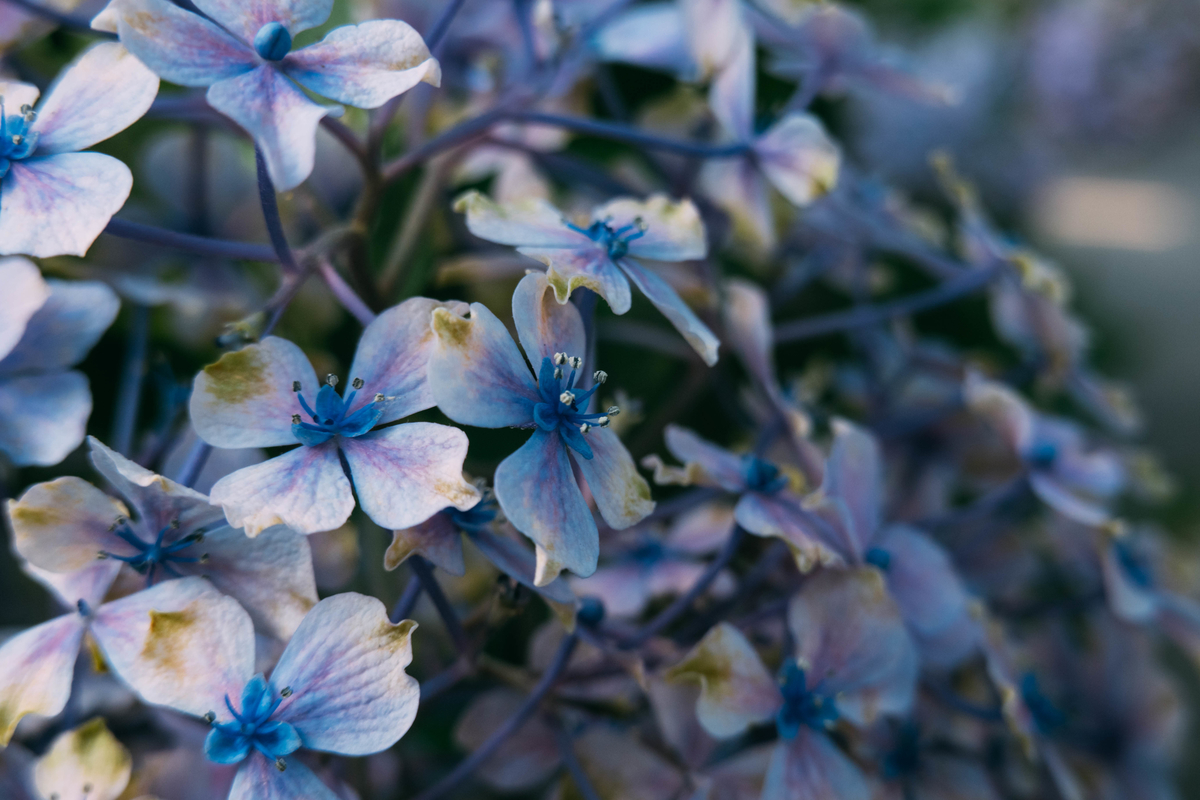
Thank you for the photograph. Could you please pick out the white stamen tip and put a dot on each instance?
(379, 398)
(566, 398)
(613, 411)
(279, 765)
(599, 376)
(331, 379)
(603, 422)
(559, 358)
(640, 224)
(357, 383)
(576, 362)
(558, 373)
(584, 428)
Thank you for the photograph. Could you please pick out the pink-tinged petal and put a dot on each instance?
(781, 516)
(365, 65)
(701, 530)
(714, 465)
(544, 325)
(87, 763)
(741, 777)
(393, 357)
(621, 494)
(620, 768)
(304, 489)
(589, 268)
(180, 46)
(736, 691)
(17, 94)
(345, 666)
(622, 588)
(1004, 408)
(799, 158)
(246, 17)
(101, 93)
(43, 417)
(57, 205)
(812, 767)
(259, 779)
(525, 759)
(851, 640)
(674, 231)
(158, 501)
(515, 561)
(674, 707)
(477, 374)
(65, 328)
(738, 187)
(671, 305)
(89, 584)
(406, 473)
(25, 293)
(731, 95)
(436, 539)
(538, 494)
(278, 116)
(1070, 504)
(62, 525)
(531, 223)
(36, 667)
(246, 400)
(180, 644)
(748, 328)
(854, 475)
(650, 35)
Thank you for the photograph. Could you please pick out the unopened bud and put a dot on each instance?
(331, 379)
(357, 383)
(599, 376)
(566, 398)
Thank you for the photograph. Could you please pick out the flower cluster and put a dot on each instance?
(652, 559)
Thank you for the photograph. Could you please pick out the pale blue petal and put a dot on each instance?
(668, 301)
(180, 46)
(651, 35)
(65, 328)
(812, 767)
(57, 205)
(731, 96)
(345, 667)
(544, 325)
(621, 494)
(717, 464)
(101, 93)
(365, 65)
(278, 116)
(25, 293)
(43, 417)
(854, 475)
(246, 17)
(259, 779)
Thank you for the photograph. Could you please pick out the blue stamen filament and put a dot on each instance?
(332, 416)
(150, 556)
(615, 242)
(563, 407)
(252, 727)
(802, 705)
(16, 140)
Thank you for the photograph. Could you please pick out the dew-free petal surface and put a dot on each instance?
(621, 494)
(26, 291)
(61, 525)
(36, 668)
(544, 326)
(436, 539)
(246, 17)
(87, 763)
(530, 223)
(812, 767)
(259, 779)
(677, 312)
(65, 328)
(180, 46)
(43, 417)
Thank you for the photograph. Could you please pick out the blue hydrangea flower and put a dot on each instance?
(46, 328)
(55, 200)
(267, 395)
(63, 526)
(243, 53)
(478, 377)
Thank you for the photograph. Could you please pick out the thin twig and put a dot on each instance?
(566, 750)
(129, 393)
(407, 602)
(270, 208)
(424, 573)
(349, 140)
(197, 457)
(624, 133)
(424, 200)
(201, 245)
(344, 294)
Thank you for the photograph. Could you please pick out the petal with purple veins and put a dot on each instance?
(246, 17)
(621, 494)
(812, 767)
(180, 46)
(677, 312)
(36, 668)
(260, 779)
(43, 417)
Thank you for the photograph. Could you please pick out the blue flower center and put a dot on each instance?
(803, 706)
(1133, 564)
(1047, 716)
(615, 241)
(16, 140)
(1042, 455)
(564, 409)
(273, 41)
(762, 476)
(252, 727)
(878, 557)
(648, 553)
(163, 552)
(332, 416)
(476, 518)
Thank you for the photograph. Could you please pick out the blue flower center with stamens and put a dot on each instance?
(476, 518)
(615, 241)
(252, 728)
(1047, 716)
(1133, 564)
(332, 416)
(762, 476)
(803, 706)
(1042, 455)
(562, 408)
(273, 41)
(164, 552)
(878, 557)
(16, 140)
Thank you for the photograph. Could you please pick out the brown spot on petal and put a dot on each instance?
(451, 329)
(34, 516)
(165, 628)
(237, 376)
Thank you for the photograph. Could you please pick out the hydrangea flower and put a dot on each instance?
(47, 327)
(854, 661)
(600, 254)
(64, 525)
(266, 395)
(85, 763)
(339, 687)
(55, 200)
(478, 377)
(243, 54)
(694, 39)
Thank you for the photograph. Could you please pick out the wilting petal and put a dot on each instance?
(538, 494)
(782, 517)
(515, 561)
(246, 398)
(25, 293)
(532, 223)
(851, 636)
(1068, 503)
(246, 17)
(65, 328)
(588, 267)
(278, 116)
(259, 779)
(181, 644)
(854, 475)
(714, 465)
(621, 494)
(812, 767)
(748, 327)
(674, 231)
(544, 326)
(525, 759)
(668, 301)
(738, 187)
(62, 525)
(626, 769)
(736, 691)
(57, 205)
(407, 473)
(43, 417)
(436, 539)
(304, 489)
(650, 35)
(477, 374)
(799, 158)
(36, 667)
(345, 666)
(180, 46)
(101, 93)
(393, 358)
(88, 756)
(365, 65)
